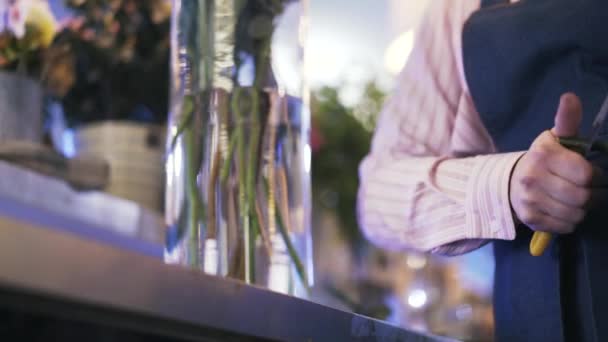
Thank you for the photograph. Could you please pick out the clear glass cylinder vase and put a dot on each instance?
(238, 161)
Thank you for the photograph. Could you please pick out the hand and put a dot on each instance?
(550, 186)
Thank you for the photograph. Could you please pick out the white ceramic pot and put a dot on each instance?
(134, 152)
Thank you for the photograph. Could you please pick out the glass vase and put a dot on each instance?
(238, 161)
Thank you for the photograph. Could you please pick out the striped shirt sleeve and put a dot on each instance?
(417, 190)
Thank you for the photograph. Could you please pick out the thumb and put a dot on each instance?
(568, 117)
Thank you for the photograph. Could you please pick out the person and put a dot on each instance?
(466, 152)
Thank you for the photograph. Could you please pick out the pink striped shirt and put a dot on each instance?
(418, 190)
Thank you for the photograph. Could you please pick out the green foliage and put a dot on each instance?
(345, 136)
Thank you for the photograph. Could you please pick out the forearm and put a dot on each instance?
(416, 191)
(443, 205)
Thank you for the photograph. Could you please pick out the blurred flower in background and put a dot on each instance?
(27, 27)
(110, 61)
(15, 15)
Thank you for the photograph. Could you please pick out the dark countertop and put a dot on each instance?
(57, 273)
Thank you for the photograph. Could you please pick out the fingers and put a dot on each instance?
(563, 174)
(546, 223)
(547, 215)
(550, 186)
(547, 206)
(546, 151)
(565, 192)
(546, 202)
(571, 166)
(568, 117)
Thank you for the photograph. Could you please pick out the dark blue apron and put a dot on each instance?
(519, 58)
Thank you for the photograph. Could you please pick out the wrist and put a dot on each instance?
(516, 220)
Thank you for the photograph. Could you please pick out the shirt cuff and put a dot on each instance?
(487, 206)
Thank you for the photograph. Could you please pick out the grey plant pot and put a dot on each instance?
(20, 108)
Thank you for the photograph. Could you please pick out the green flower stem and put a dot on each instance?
(263, 233)
(193, 196)
(293, 254)
(254, 140)
(242, 177)
(211, 191)
(262, 64)
(283, 194)
(193, 203)
(228, 159)
(193, 256)
(242, 150)
(272, 229)
(252, 239)
(247, 163)
(187, 113)
(249, 277)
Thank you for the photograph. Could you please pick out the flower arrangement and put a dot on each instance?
(111, 61)
(252, 145)
(27, 28)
